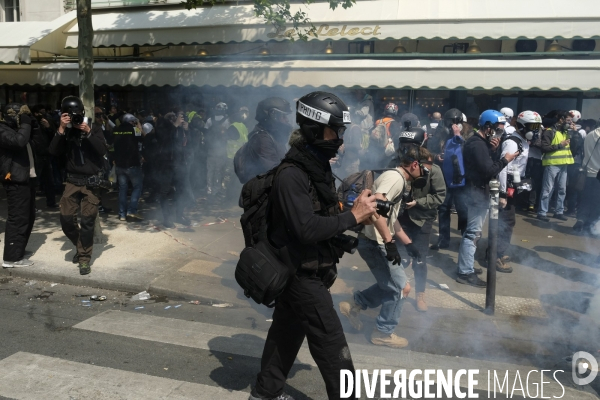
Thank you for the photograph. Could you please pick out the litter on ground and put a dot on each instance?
(141, 296)
(444, 286)
(139, 308)
(223, 305)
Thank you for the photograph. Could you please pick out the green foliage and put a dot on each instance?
(278, 13)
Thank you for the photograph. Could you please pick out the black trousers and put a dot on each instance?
(420, 238)
(506, 224)
(305, 309)
(535, 171)
(20, 198)
(168, 178)
(572, 197)
(81, 233)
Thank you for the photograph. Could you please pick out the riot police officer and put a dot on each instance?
(305, 217)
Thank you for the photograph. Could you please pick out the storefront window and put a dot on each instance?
(12, 12)
(545, 104)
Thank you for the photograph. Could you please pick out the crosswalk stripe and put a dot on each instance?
(247, 342)
(26, 376)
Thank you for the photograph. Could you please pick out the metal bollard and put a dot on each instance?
(490, 292)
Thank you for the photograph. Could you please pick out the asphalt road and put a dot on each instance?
(56, 344)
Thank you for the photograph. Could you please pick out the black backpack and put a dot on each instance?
(576, 143)
(262, 271)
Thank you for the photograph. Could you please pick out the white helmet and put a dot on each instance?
(529, 117)
(464, 118)
(508, 113)
(576, 115)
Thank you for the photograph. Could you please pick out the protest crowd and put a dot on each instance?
(427, 166)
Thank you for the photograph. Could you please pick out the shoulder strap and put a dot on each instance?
(589, 159)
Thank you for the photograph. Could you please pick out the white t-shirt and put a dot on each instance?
(520, 163)
(391, 184)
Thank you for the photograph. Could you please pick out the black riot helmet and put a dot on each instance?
(268, 107)
(452, 116)
(317, 110)
(408, 121)
(72, 105)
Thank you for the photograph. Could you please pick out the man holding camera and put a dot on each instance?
(377, 247)
(305, 216)
(479, 170)
(426, 195)
(84, 147)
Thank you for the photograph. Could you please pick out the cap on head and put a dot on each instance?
(221, 107)
(266, 107)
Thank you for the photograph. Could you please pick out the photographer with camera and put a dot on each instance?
(426, 195)
(304, 217)
(377, 247)
(84, 147)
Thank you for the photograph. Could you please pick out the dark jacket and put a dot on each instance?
(170, 143)
(479, 166)
(298, 224)
(266, 150)
(429, 198)
(126, 144)
(13, 153)
(84, 156)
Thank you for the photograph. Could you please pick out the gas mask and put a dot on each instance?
(529, 135)
(244, 116)
(420, 181)
(566, 126)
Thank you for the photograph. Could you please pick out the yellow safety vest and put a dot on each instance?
(561, 156)
(234, 145)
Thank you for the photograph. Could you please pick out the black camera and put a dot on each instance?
(407, 197)
(345, 242)
(99, 181)
(384, 207)
(76, 119)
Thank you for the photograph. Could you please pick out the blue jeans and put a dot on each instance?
(459, 198)
(391, 279)
(554, 175)
(466, 254)
(136, 176)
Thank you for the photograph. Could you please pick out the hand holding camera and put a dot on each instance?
(364, 207)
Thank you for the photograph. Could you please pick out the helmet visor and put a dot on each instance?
(533, 127)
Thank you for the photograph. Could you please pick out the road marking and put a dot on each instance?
(248, 342)
(26, 376)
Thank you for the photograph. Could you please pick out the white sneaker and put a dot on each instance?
(17, 264)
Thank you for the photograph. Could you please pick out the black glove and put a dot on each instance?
(412, 251)
(392, 253)
(25, 119)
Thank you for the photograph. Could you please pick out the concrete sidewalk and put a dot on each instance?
(547, 309)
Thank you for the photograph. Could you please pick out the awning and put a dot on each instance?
(18, 38)
(548, 74)
(366, 20)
